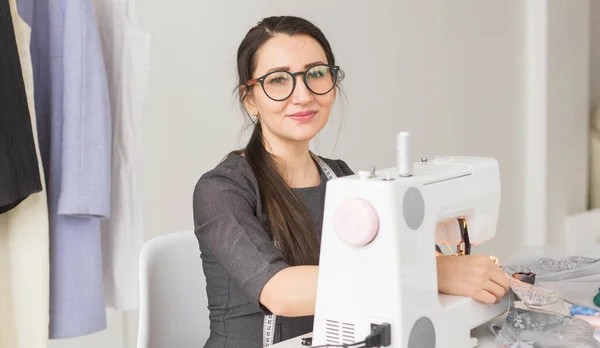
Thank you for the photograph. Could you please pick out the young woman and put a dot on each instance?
(258, 214)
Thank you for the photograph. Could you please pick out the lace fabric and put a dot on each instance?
(575, 279)
(531, 329)
(533, 295)
(556, 269)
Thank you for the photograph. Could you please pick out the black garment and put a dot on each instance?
(238, 255)
(19, 171)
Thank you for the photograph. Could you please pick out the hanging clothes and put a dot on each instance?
(24, 259)
(126, 49)
(19, 172)
(75, 137)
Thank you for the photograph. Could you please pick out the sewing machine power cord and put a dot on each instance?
(381, 336)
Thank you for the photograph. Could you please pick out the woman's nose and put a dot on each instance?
(301, 94)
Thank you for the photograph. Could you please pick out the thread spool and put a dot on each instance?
(404, 154)
(580, 310)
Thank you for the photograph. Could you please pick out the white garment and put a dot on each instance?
(126, 50)
(24, 242)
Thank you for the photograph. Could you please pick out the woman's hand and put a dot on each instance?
(475, 276)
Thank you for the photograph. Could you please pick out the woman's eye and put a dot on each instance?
(277, 79)
(316, 73)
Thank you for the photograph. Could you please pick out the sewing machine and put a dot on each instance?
(378, 263)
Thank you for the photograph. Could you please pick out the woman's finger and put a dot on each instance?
(501, 279)
(495, 289)
(484, 296)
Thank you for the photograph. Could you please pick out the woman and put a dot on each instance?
(258, 214)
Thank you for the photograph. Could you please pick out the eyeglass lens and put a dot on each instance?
(279, 85)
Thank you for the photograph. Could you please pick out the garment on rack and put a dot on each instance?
(126, 49)
(19, 171)
(75, 136)
(543, 330)
(575, 279)
(24, 264)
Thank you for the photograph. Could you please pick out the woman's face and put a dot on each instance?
(304, 114)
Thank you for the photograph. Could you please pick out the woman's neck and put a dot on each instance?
(299, 169)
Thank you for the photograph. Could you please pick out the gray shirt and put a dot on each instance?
(238, 255)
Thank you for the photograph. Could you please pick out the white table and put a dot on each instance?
(484, 341)
(296, 342)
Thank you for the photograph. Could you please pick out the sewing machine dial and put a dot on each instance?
(356, 222)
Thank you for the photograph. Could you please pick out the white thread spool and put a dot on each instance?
(403, 154)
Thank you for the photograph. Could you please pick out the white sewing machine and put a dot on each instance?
(378, 262)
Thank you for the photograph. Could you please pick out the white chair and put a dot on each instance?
(173, 303)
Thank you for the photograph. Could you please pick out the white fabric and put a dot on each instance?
(173, 301)
(24, 242)
(126, 50)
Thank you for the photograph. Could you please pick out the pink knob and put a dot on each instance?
(356, 222)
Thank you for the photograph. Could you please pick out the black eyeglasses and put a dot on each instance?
(279, 85)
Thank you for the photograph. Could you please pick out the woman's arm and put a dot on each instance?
(291, 292)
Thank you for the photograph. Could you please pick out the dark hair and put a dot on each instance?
(290, 225)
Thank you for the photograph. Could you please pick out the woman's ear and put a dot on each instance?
(249, 104)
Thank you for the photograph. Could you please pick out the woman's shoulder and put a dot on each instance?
(231, 173)
(339, 166)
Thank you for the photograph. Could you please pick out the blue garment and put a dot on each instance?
(74, 124)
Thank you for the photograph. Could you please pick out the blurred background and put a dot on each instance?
(517, 80)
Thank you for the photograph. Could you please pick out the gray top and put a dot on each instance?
(238, 256)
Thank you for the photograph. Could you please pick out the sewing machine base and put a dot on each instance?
(480, 339)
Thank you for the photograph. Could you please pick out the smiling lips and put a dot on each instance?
(303, 115)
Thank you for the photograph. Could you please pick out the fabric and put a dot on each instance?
(543, 330)
(19, 171)
(575, 279)
(75, 141)
(126, 50)
(231, 224)
(533, 295)
(24, 259)
(549, 269)
(578, 291)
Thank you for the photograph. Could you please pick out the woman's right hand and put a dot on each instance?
(475, 276)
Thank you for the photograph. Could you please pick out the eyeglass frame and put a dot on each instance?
(261, 79)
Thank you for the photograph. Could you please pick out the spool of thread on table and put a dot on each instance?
(580, 310)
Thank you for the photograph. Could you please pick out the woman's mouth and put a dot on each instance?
(303, 115)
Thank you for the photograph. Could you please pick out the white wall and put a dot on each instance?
(595, 52)
(568, 72)
(452, 73)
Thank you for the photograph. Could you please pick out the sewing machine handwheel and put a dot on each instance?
(356, 222)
